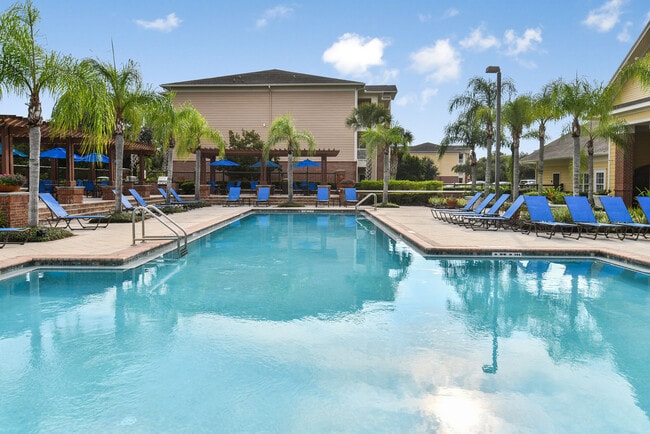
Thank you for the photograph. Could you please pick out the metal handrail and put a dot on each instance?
(356, 207)
(168, 222)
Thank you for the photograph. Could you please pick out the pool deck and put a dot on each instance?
(113, 245)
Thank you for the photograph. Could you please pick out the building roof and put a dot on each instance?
(275, 77)
(639, 49)
(432, 148)
(562, 148)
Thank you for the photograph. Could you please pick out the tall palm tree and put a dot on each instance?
(397, 148)
(468, 132)
(544, 109)
(379, 139)
(367, 115)
(573, 99)
(27, 68)
(106, 103)
(283, 130)
(479, 102)
(192, 128)
(517, 115)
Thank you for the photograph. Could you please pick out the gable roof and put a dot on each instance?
(562, 148)
(639, 49)
(432, 148)
(264, 78)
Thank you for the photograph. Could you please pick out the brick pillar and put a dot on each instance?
(624, 173)
(204, 191)
(67, 195)
(14, 207)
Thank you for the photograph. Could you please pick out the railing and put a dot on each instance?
(356, 207)
(165, 220)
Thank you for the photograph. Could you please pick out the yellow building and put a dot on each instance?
(453, 156)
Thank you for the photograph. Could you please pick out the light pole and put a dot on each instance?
(497, 154)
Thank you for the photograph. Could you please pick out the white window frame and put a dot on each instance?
(600, 186)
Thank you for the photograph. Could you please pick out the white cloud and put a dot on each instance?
(605, 17)
(427, 94)
(274, 13)
(517, 45)
(450, 13)
(479, 42)
(424, 18)
(440, 61)
(624, 34)
(405, 100)
(169, 23)
(354, 54)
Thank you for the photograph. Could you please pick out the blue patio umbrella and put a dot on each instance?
(307, 163)
(95, 157)
(16, 152)
(271, 164)
(59, 153)
(224, 163)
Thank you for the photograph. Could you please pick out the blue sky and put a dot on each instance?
(428, 49)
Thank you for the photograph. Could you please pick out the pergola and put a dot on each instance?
(15, 128)
(211, 155)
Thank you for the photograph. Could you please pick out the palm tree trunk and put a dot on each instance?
(197, 174)
(472, 160)
(170, 172)
(540, 162)
(290, 176)
(384, 198)
(34, 171)
(590, 171)
(488, 163)
(576, 156)
(119, 161)
(515, 169)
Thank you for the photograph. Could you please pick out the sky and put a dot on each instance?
(428, 49)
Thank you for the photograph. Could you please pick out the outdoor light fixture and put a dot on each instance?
(496, 70)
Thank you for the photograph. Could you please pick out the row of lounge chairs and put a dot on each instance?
(542, 221)
(263, 193)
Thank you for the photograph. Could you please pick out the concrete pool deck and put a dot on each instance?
(113, 245)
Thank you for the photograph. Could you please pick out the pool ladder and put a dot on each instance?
(165, 220)
(373, 195)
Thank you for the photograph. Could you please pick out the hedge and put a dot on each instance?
(395, 184)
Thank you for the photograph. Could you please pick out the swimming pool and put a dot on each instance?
(317, 322)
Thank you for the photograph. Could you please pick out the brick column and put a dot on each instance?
(67, 195)
(204, 191)
(14, 208)
(624, 173)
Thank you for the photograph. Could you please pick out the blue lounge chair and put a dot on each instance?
(137, 197)
(179, 200)
(323, 195)
(350, 196)
(437, 212)
(462, 218)
(494, 222)
(233, 196)
(542, 220)
(58, 215)
(263, 193)
(617, 213)
(126, 205)
(6, 232)
(451, 216)
(583, 215)
(644, 203)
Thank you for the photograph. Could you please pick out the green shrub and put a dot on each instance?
(397, 184)
(554, 195)
(187, 187)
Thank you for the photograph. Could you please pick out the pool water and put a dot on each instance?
(322, 323)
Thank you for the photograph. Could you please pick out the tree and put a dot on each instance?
(573, 99)
(399, 149)
(27, 68)
(192, 129)
(544, 109)
(106, 103)
(517, 115)
(467, 131)
(479, 102)
(379, 139)
(283, 130)
(367, 115)
(414, 168)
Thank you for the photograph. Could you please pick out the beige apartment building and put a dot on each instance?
(251, 101)
(453, 156)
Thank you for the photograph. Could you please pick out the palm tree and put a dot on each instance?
(479, 102)
(517, 115)
(401, 147)
(465, 130)
(26, 68)
(544, 110)
(192, 128)
(379, 139)
(105, 102)
(170, 124)
(283, 130)
(367, 115)
(573, 99)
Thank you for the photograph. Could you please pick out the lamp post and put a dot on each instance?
(497, 154)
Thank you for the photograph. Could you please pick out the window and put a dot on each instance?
(556, 180)
(599, 181)
(584, 182)
(461, 158)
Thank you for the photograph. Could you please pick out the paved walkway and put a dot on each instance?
(113, 245)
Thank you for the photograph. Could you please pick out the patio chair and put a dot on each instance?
(437, 212)
(449, 216)
(583, 215)
(58, 215)
(323, 195)
(494, 222)
(350, 196)
(126, 205)
(462, 218)
(543, 222)
(5, 233)
(617, 213)
(233, 196)
(179, 200)
(263, 192)
(137, 197)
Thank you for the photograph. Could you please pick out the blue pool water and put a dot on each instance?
(322, 323)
